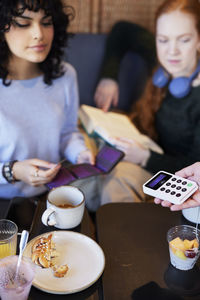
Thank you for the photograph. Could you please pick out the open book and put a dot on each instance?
(111, 124)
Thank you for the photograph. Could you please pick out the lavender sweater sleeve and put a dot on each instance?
(38, 121)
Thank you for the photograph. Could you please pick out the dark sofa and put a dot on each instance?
(85, 52)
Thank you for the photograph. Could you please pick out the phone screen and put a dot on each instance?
(107, 158)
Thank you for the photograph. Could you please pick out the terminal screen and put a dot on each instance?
(159, 180)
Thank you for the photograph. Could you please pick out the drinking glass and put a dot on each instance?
(8, 238)
(12, 286)
(183, 246)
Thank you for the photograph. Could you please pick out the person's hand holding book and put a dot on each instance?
(109, 125)
(85, 156)
(134, 152)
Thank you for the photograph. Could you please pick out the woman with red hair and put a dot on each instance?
(169, 110)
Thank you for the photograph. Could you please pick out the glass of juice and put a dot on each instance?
(16, 286)
(8, 238)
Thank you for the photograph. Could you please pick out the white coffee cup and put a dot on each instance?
(65, 207)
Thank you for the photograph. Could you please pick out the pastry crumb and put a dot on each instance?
(60, 271)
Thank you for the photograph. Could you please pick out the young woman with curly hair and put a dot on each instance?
(38, 97)
(171, 120)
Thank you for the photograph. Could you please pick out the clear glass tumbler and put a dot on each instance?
(12, 286)
(183, 246)
(8, 238)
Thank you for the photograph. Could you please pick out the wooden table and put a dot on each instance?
(133, 238)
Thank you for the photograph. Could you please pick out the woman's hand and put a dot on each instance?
(193, 201)
(107, 94)
(134, 152)
(85, 156)
(193, 173)
(34, 171)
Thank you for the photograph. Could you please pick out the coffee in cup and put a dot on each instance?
(65, 207)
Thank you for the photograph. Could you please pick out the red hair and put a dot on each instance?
(191, 7)
(144, 111)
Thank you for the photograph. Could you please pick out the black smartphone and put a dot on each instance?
(106, 160)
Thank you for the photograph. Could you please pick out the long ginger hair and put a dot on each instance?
(144, 111)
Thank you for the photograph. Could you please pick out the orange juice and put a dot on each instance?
(7, 249)
(8, 238)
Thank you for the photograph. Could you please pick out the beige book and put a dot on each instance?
(111, 124)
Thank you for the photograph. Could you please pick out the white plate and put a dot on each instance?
(83, 256)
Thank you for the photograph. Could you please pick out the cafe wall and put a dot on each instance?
(98, 16)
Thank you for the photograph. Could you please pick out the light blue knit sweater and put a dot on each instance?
(38, 121)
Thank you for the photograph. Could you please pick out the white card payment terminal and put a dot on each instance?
(170, 187)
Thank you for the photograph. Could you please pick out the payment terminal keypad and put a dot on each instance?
(170, 187)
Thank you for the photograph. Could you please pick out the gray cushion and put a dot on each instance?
(85, 52)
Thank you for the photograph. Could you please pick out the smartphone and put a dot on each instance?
(106, 160)
(167, 186)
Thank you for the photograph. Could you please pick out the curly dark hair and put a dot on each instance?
(61, 15)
